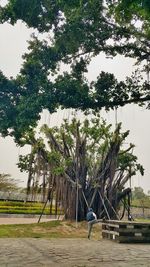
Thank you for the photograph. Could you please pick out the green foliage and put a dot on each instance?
(8, 184)
(88, 152)
(129, 11)
(23, 163)
(10, 207)
(37, 14)
(9, 95)
(128, 161)
(138, 193)
(21, 204)
(93, 138)
(79, 30)
(139, 198)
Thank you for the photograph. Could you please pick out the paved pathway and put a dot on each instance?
(31, 252)
(22, 220)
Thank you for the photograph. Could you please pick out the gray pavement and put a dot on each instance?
(22, 220)
(33, 252)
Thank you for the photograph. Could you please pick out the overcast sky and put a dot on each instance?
(13, 44)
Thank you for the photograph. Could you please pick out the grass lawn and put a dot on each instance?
(142, 220)
(53, 229)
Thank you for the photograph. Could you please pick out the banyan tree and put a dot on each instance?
(87, 165)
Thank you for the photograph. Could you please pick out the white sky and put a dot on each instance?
(13, 44)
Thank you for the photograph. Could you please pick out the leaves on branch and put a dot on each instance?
(77, 31)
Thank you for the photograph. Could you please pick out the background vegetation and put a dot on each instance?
(16, 207)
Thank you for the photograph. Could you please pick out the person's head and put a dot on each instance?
(90, 209)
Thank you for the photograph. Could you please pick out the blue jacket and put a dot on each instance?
(90, 215)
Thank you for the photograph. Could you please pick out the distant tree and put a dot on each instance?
(140, 199)
(138, 193)
(8, 184)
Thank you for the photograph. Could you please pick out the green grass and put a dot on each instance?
(141, 203)
(142, 220)
(29, 230)
(52, 229)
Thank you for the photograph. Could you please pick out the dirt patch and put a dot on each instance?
(70, 230)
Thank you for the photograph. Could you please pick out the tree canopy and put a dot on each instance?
(127, 12)
(88, 158)
(72, 33)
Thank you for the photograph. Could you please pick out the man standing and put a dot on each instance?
(91, 218)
